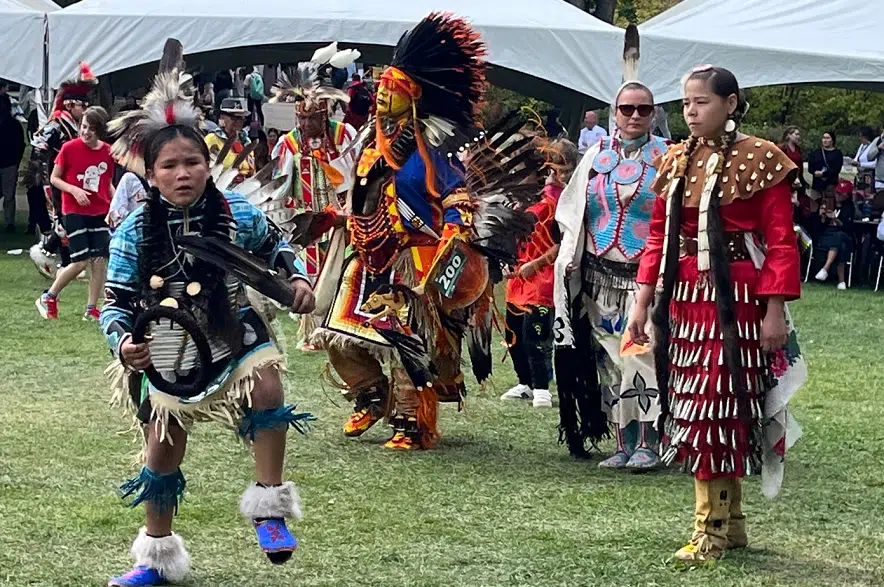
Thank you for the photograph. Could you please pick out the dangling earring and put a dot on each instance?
(730, 126)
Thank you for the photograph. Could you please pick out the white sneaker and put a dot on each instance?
(822, 275)
(542, 398)
(519, 392)
(842, 286)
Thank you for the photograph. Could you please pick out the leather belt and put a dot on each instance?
(735, 242)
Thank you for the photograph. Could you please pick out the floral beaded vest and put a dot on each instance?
(620, 199)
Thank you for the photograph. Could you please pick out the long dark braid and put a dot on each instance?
(217, 222)
(720, 268)
(156, 248)
(660, 315)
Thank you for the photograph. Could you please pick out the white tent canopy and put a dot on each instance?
(23, 35)
(765, 42)
(41, 5)
(546, 39)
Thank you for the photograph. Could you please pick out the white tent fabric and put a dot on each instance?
(23, 34)
(548, 39)
(41, 5)
(765, 42)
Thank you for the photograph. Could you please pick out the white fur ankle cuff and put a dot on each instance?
(271, 502)
(167, 555)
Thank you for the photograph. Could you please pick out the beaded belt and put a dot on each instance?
(614, 275)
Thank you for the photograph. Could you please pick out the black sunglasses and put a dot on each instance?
(644, 110)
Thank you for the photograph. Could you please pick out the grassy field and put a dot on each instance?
(498, 504)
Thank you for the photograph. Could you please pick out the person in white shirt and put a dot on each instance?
(591, 133)
(131, 193)
(867, 157)
(866, 136)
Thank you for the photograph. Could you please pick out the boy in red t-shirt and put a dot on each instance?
(529, 291)
(83, 172)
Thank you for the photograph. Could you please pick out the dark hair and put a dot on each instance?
(5, 106)
(722, 83)
(786, 132)
(633, 86)
(356, 77)
(831, 134)
(156, 247)
(867, 132)
(570, 159)
(156, 143)
(97, 118)
(274, 130)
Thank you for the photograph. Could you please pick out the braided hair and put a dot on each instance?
(156, 248)
(724, 84)
(660, 315)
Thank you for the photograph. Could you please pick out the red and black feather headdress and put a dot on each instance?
(77, 88)
(444, 55)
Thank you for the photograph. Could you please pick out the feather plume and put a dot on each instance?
(500, 167)
(238, 262)
(86, 74)
(342, 59)
(310, 84)
(445, 56)
(285, 90)
(631, 53)
(216, 159)
(479, 339)
(322, 55)
(266, 194)
(169, 102)
(261, 178)
(229, 172)
(173, 56)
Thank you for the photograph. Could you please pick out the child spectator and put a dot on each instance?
(83, 172)
(529, 292)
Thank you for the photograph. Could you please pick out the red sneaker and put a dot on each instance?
(47, 306)
(91, 315)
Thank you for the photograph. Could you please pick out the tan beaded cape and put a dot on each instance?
(752, 165)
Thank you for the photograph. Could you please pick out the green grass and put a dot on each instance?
(498, 504)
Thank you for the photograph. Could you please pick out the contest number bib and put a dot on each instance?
(450, 271)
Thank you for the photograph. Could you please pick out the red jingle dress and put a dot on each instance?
(704, 430)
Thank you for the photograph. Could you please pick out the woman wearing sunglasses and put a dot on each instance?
(604, 214)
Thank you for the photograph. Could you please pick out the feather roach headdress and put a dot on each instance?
(169, 102)
(438, 68)
(309, 86)
(77, 88)
(444, 57)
